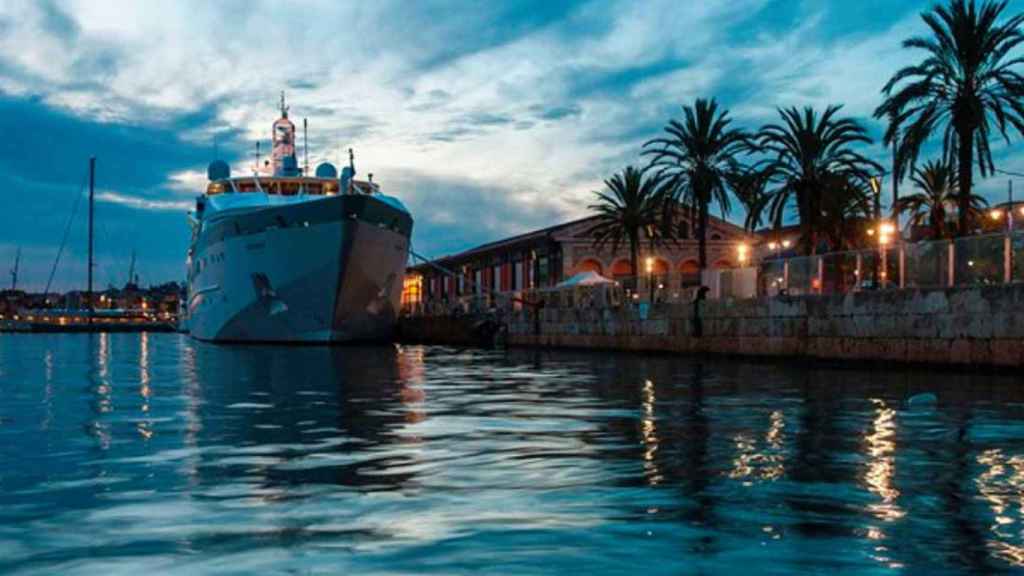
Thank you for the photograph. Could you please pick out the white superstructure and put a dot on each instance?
(285, 257)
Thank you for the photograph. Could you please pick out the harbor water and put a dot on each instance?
(153, 453)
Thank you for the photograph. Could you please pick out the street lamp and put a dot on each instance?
(650, 276)
(885, 232)
(777, 247)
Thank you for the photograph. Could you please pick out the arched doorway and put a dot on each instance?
(659, 272)
(689, 273)
(589, 265)
(622, 272)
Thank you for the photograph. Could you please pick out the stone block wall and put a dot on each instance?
(981, 326)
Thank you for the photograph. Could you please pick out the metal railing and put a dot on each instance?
(968, 261)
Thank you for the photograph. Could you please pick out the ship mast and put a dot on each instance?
(131, 270)
(92, 190)
(14, 272)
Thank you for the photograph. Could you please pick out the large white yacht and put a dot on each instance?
(281, 256)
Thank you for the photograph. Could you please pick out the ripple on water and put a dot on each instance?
(124, 454)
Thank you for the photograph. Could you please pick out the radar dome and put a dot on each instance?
(326, 170)
(218, 170)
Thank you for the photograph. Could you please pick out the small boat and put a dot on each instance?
(85, 318)
(55, 320)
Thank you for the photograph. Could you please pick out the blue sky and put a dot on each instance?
(486, 118)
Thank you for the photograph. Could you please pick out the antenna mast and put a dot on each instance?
(131, 270)
(257, 169)
(305, 145)
(92, 190)
(352, 166)
(14, 273)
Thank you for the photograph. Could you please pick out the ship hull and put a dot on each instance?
(323, 271)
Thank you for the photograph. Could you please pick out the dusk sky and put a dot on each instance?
(487, 118)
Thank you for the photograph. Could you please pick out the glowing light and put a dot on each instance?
(886, 228)
(871, 231)
(772, 245)
(649, 431)
(650, 264)
(786, 243)
(1001, 479)
(880, 446)
(995, 214)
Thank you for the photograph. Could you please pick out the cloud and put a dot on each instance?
(142, 203)
(487, 119)
(556, 112)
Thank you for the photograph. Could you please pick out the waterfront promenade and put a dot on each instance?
(977, 326)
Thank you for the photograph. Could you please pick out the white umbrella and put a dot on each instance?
(588, 278)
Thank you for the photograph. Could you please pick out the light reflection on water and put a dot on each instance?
(152, 452)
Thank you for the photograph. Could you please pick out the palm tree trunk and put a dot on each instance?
(702, 237)
(804, 209)
(634, 257)
(966, 172)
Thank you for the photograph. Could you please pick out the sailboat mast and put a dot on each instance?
(92, 190)
(14, 273)
(131, 270)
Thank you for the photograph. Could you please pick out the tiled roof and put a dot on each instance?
(535, 235)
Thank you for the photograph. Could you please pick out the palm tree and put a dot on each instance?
(694, 160)
(807, 156)
(966, 83)
(843, 210)
(939, 191)
(631, 202)
(750, 186)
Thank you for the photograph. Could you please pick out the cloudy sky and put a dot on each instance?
(486, 118)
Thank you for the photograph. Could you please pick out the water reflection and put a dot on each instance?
(881, 449)
(761, 458)
(304, 416)
(650, 435)
(102, 390)
(418, 459)
(1001, 486)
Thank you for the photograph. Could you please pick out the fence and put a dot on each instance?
(968, 261)
(624, 291)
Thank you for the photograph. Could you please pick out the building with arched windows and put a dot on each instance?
(545, 257)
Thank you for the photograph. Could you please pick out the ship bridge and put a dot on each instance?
(284, 186)
(280, 174)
